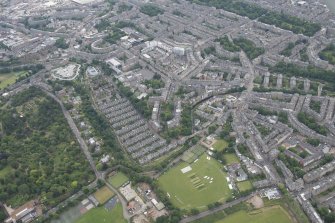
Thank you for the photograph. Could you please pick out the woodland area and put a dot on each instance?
(39, 156)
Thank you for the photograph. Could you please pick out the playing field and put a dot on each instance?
(244, 186)
(10, 78)
(220, 145)
(101, 215)
(103, 194)
(206, 183)
(275, 214)
(118, 180)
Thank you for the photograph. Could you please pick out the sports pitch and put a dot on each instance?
(274, 214)
(102, 215)
(103, 195)
(205, 184)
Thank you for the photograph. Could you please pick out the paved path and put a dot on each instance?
(220, 208)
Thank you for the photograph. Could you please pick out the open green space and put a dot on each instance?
(220, 145)
(7, 79)
(102, 215)
(196, 189)
(271, 213)
(274, 214)
(118, 179)
(230, 158)
(244, 185)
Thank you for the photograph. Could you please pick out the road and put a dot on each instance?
(126, 214)
(249, 77)
(220, 208)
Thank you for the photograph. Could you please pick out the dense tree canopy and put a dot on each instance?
(253, 11)
(42, 159)
(151, 10)
(328, 54)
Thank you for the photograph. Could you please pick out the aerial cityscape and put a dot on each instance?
(167, 111)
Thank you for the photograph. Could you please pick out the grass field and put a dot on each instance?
(231, 158)
(291, 205)
(274, 214)
(101, 215)
(118, 179)
(103, 194)
(220, 145)
(10, 78)
(191, 189)
(244, 186)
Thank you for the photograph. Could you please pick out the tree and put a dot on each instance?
(211, 129)
(24, 189)
(313, 142)
(74, 184)
(61, 43)
(2, 216)
(194, 211)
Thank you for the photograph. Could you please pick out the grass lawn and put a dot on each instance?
(103, 194)
(5, 171)
(244, 186)
(191, 190)
(220, 145)
(118, 179)
(231, 158)
(101, 215)
(274, 214)
(10, 78)
(290, 205)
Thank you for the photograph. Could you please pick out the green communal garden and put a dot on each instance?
(328, 54)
